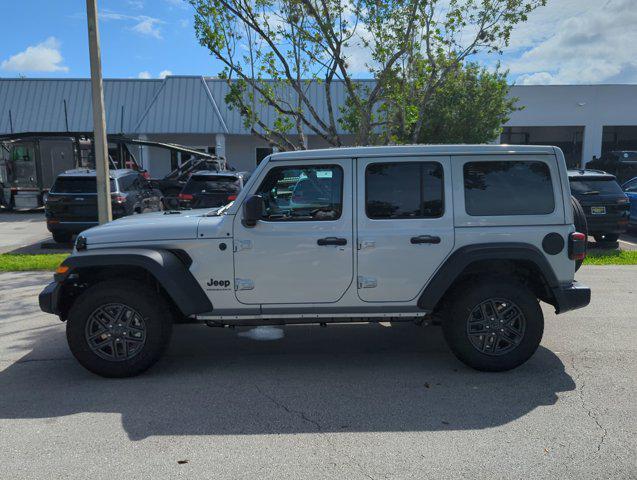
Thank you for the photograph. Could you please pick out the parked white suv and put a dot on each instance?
(473, 235)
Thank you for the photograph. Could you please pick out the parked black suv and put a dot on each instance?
(621, 163)
(71, 204)
(209, 189)
(605, 205)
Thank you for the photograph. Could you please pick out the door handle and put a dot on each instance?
(331, 241)
(425, 239)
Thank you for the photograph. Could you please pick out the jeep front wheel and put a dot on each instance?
(495, 326)
(118, 329)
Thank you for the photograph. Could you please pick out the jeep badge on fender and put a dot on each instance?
(473, 235)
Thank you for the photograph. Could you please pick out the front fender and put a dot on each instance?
(170, 269)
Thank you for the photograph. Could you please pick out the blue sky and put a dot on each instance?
(567, 42)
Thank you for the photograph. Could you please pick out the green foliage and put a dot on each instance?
(281, 56)
(469, 107)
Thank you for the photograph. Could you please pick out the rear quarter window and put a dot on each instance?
(594, 186)
(496, 188)
(208, 183)
(77, 185)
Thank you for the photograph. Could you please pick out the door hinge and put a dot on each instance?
(242, 245)
(363, 244)
(367, 282)
(243, 284)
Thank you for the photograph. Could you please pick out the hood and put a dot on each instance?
(148, 226)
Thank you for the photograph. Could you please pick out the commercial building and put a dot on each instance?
(584, 120)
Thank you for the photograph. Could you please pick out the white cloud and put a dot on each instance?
(43, 57)
(578, 41)
(145, 74)
(144, 25)
(148, 26)
(177, 3)
(184, 23)
(165, 73)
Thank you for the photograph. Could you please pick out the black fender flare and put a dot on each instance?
(451, 269)
(168, 268)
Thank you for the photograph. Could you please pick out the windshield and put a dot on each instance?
(594, 186)
(77, 185)
(209, 183)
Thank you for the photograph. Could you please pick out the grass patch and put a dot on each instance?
(14, 262)
(611, 257)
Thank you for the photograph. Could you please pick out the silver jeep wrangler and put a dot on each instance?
(472, 236)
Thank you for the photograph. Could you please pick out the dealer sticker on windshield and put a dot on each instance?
(598, 210)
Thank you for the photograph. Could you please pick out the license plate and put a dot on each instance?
(598, 210)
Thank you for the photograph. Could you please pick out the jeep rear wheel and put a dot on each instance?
(118, 329)
(494, 326)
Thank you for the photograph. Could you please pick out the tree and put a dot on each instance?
(469, 107)
(282, 59)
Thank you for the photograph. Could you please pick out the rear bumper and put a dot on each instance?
(607, 224)
(571, 297)
(70, 227)
(49, 298)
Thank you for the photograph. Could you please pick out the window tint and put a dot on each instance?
(508, 188)
(77, 185)
(594, 186)
(631, 186)
(403, 190)
(303, 193)
(261, 153)
(211, 183)
(128, 183)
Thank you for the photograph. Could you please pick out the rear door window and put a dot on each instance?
(404, 190)
(495, 188)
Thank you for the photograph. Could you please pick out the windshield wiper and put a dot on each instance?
(592, 192)
(219, 211)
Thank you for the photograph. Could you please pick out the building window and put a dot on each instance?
(403, 190)
(508, 188)
(263, 152)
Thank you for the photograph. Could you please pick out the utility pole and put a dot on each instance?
(104, 213)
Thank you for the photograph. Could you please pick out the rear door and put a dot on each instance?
(405, 225)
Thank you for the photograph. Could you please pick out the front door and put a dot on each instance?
(405, 225)
(301, 250)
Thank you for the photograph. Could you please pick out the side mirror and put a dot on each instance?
(253, 209)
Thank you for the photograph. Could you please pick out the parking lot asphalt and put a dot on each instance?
(342, 402)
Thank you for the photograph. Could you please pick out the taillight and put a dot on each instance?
(577, 246)
(118, 198)
(232, 198)
(185, 196)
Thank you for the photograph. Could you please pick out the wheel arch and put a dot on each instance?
(523, 261)
(166, 270)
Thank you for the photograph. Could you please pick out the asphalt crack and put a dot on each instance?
(589, 411)
(300, 414)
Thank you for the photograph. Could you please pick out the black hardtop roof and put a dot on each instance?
(86, 172)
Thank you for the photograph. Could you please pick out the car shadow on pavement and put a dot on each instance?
(344, 378)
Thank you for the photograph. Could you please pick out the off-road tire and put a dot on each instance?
(141, 298)
(579, 220)
(62, 237)
(469, 296)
